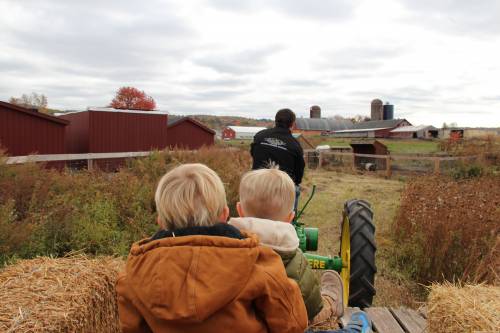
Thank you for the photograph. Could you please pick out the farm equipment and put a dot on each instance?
(356, 260)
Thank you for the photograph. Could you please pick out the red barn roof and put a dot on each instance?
(187, 133)
(176, 122)
(33, 112)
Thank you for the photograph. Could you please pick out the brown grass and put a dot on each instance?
(467, 309)
(449, 230)
(46, 212)
(73, 294)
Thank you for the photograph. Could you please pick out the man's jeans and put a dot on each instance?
(297, 195)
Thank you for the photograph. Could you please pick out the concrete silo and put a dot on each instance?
(315, 112)
(377, 109)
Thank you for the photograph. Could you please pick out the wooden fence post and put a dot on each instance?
(353, 162)
(90, 164)
(388, 166)
(320, 159)
(437, 169)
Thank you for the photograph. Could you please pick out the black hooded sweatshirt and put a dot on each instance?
(279, 146)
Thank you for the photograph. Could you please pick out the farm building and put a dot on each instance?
(371, 147)
(317, 126)
(187, 133)
(372, 129)
(464, 132)
(107, 130)
(240, 132)
(26, 131)
(415, 132)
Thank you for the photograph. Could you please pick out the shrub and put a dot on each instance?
(46, 212)
(466, 171)
(447, 229)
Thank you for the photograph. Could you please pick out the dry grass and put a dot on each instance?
(50, 213)
(325, 212)
(449, 229)
(73, 294)
(467, 309)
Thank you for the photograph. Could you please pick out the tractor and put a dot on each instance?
(356, 260)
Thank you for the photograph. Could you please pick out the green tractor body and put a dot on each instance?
(356, 260)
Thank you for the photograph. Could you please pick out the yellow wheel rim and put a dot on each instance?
(345, 254)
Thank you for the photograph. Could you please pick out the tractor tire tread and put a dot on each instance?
(363, 248)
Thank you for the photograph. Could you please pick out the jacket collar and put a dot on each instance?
(280, 236)
(220, 229)
(248, 241)
(283, 130)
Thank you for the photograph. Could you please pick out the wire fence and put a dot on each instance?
(103, 161)
(315, 159)
(386, 164)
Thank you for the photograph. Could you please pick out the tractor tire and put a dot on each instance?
(362, 260)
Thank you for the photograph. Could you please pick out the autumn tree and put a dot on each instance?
(132, 99)
(34, 100)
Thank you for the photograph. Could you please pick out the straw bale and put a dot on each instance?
(71, 294)
(468, 308)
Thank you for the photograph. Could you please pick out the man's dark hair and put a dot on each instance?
(284, 118)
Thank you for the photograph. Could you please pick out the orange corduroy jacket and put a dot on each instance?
(207, 284)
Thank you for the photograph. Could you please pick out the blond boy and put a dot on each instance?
(266, 208)
(199, 274)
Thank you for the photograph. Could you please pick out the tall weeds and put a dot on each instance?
(47, 212)
(449, 230)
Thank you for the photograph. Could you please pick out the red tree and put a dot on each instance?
(132, 99)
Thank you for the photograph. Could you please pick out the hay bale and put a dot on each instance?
(71, 294)
(468, 309)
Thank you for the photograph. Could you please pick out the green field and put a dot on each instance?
(395, 146)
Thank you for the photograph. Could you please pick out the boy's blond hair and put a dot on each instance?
(190, 195)
(267, 194)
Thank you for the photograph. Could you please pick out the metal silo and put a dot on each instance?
(315, 112)
(388, 111)
(377, 109)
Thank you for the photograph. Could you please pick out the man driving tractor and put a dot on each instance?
(278, 146)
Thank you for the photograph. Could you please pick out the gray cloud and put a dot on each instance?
(355, 62)
(115, 39)
(217, 95)
(250, 61)
(312, 9)
(79, 52)
(217, 83)
(457, 16)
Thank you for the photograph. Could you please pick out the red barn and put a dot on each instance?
(228, 133)
(187, 133)
(106, 130)
(240, 132)
(26, 131)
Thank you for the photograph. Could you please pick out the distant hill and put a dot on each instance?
(219, 122)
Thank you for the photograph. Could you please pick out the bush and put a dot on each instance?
(447, 229)
(46, 212)
(464, 171)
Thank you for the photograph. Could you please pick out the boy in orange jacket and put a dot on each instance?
(199, 274)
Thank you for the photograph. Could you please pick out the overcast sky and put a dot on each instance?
(435, 60)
